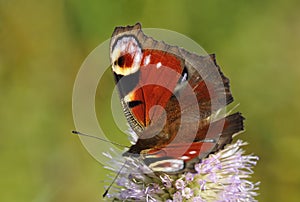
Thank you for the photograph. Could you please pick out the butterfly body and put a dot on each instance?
(169, 96)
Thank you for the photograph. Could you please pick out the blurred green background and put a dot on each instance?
(43, 43)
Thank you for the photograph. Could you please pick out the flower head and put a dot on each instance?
(223, 176)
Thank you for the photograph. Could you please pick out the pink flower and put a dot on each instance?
(223, 176)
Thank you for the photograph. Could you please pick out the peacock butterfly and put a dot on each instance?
(170, 98)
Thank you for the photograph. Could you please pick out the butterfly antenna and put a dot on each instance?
(116, 177)
(98, 138)
(102, 139)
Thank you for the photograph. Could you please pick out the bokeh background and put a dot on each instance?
(43, 44)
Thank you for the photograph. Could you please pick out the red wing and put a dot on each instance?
(176, 157)
(146, 72)
(183, 151)
(157, 80)
(171, 158)
(211, 137)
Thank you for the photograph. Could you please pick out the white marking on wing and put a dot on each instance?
(158, 65)
(184, 77)
(147, 60)
(176, 165)
(192, 152)
(185, 157)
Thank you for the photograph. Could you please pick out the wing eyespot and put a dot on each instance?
(121, 61)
